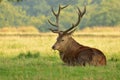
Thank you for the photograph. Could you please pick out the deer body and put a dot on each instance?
(73, 53)
(70, 51)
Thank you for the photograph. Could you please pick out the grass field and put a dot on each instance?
(31, 58)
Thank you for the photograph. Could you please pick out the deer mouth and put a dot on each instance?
(54, 48)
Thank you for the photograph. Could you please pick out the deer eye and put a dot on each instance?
(62, 40)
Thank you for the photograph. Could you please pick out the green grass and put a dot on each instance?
(31, 58)
(51, 68)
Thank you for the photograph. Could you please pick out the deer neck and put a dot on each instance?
(72, 46)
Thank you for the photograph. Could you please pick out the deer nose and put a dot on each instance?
(53, 47)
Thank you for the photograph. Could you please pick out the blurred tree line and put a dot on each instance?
(37, 12)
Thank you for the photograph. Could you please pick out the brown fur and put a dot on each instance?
(76, 54)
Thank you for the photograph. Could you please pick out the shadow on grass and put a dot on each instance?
(114, 59)
(29, 55)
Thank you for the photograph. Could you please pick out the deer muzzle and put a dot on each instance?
(53, 47)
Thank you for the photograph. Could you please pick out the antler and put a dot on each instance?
(80, 15)
(57, 19)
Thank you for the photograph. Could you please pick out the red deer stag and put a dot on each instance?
(70, 51)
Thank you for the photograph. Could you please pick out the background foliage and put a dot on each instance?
(36, 12)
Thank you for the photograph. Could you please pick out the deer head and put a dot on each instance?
(64, 37)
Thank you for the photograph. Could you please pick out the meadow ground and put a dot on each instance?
(31, 58)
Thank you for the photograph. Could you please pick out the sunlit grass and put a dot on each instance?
(12, 46)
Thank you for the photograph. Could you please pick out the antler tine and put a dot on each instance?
(84, 11)
(57, 19)
(80, 15)
(64, 6)
(52, 23)
(60, 8)
(53, 12)
(54, 31)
